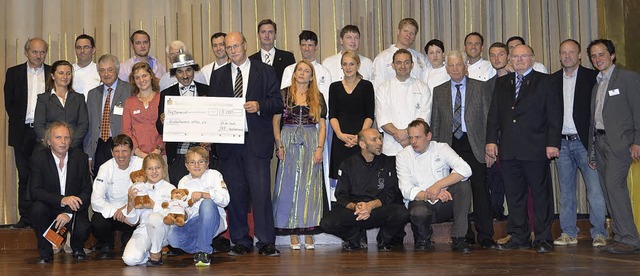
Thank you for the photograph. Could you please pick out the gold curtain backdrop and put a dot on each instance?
(543, 23)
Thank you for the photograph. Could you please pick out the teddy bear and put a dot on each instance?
(177, 207)
(142, 199)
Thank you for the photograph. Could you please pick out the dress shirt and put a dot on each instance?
(263, 55)
(85, 78)
(244, 68)
(61, 99)
(463, 105)
(418, 171)
(35, 86)
(481, 70)
(568, 93)
(334, 65)
(383, 71)
(603, 82)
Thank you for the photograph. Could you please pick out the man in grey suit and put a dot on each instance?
(459, 118)
(615, 123)
(105, 122)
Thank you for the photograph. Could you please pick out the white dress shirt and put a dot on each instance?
(568, 93)
(244, 68)
(263, 55)
(35, 86)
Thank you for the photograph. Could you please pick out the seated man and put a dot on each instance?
(429, 176)
(367, 183)
(109, 196)
(60, 189)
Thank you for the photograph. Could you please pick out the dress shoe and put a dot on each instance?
(544, 247)
(512, 245)
(351, 246)
(269, 250)
(422, 245)
(80, 255)
(174, 251)
(20, 225)
(460, 245)
(620, 248)
(221, 244)
(238, 250)
(105, 255)
(384, 247)
(45, 260)
(488, 244)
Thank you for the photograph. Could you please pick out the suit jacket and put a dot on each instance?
(202, 90)
(523, 128)
(585, 81)
(74, 112)
(44, 183)
(621, 111)
(15, 100)
(94, 110)
(263, 86)
(281, 59)
(477, 100)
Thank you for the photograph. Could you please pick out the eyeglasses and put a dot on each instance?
(199, 162)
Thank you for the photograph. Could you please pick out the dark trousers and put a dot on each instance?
(496, 186)
(524, 177)
(482, 213)
(104, 228)
(22, 156)
(102, 154)
(177, 169)
(42, 216)
(341, 222)
(248, 180)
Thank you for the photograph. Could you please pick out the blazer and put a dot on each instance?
(94, 110)
(74, 112)
(523, 128)
(585, 81)
(44, 183)
(621, 111)
(477, 100)
(281, 59)
(172, 147)
(15, 100)
(263, 86)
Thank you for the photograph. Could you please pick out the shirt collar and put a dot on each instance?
(243, 66)
(606, 75)
(525, 73)
(36, 70)
(271, 53)
(463, 82)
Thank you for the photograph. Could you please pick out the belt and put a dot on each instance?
(570, 137)
(600, 132)
(30, 125)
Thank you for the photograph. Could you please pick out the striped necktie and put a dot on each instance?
(237, 88)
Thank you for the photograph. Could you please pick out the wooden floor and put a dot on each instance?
(331, 260)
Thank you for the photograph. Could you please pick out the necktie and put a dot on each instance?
(519, 79)
(104, 126)
(267, 59)
(457, 113)
(237, 88)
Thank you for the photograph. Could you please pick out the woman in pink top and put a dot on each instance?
(141, 112)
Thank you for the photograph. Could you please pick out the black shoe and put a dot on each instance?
(544, 247)
(512, 245)
(20, 225)
(460, 245)
(238, 250)
(105, 255)
(174, 251)
(364, 243)
(422, 245)
(470, 240)
(80, 255)
(221, 244)
(384, 247)
(155, 263)
(202, 259)
(269, 250)
(351, 246)
(488, 244)
(45, 260)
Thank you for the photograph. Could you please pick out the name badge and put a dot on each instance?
(118, 110)
(614, 92)
(136, 112)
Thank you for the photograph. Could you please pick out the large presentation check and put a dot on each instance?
(204, 119)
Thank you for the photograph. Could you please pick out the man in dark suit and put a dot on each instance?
(22, 85)
(102, 129)
(184, 69)
(61, 190)
(575, 83)
(615, 105)
(268, 53)
(459, 118)
(246, 166)
(525, 118)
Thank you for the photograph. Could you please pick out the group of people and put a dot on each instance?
(410, 138)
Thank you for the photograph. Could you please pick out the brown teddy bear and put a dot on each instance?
(177, 207)
(142, 199)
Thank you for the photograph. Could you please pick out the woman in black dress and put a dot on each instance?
(351, 109)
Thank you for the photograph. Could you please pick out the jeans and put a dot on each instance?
(574, 156)
(196, 235)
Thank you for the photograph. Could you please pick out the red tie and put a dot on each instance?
(104, 126)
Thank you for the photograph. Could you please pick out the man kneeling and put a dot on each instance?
(432, 177)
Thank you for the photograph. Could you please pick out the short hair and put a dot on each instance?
(500, 45)
(516, 38)
(109, 57)
(49, 129)
(216, 35)
(157, 157)
(420, 122)
(176, 44)
(349, 29)
(197, 150)
(142, 32)
(155, 85)
(87, 37)
(476, 34)
(122, 140)
(409, 21)
(308, 35)
(607, 43)
(50, 83)
(455, 53)
(434, 42)
(27, 44)
(268, 22)
(574, 41)
(400, 52)
(530, 49)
